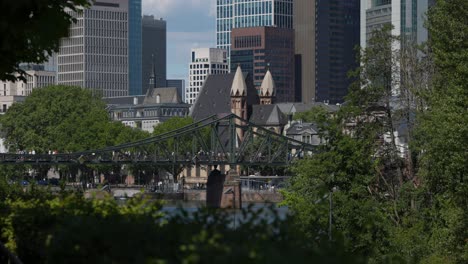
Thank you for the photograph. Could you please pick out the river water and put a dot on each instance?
(175, 207)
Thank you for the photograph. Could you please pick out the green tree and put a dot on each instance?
(316, 115)
(62, 118)
(444, 127)
(25, 27)
(172, 124)
(340, 181)
(442, 135)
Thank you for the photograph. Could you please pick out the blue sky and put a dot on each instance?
(190, 24)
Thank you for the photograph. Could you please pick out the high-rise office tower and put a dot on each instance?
(154, 51)
(406, 17)
(134, 48)
(204, 61)
(304, 29)
(96, 53)
(257, 49)
(337, 36)
(250, 13)
(179, 84)
(326, 33)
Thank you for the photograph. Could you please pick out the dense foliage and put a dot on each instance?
(25, 27)
(64, 119)
(70, 229)
(391, 207)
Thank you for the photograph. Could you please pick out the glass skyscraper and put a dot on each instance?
(135, 85)
(250, 13)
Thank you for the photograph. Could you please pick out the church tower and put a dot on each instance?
(239, 100)
(239, 95)
(267, 90)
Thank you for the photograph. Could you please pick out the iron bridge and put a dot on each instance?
(216, 140)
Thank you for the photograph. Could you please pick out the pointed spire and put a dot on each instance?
(152, 79)
(268, 87)
(238, 88)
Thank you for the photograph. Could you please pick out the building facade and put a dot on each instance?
(337, 36)
(154, 52)
(135, 85)
(146, 112)
(96, 53)
(250, 13)
(12, 92)
(304, 28)
(327, 33)
(180, 85)
(204, 62)
(257, 49)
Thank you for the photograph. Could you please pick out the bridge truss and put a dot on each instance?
(216, 140)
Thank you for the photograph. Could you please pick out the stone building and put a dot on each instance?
(146, 112)
(12, 92)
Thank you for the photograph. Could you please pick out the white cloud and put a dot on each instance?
(164, 7)
(182, 42)
(160, 7)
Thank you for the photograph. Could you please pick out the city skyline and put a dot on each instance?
(183, 36)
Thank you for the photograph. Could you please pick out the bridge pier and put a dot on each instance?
(224, 191)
